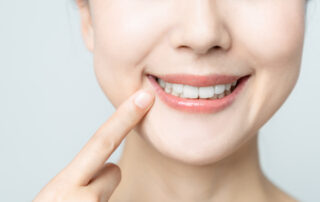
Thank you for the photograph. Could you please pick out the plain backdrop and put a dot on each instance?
(51, 103)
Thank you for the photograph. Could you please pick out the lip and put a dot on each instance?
(199, 105)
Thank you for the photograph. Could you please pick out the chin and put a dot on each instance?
(191, 139)
(194, 151)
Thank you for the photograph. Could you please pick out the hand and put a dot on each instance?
(87, 178)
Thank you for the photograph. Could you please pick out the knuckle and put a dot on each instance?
(126, 120)
(108, 143)
(93, 197)
(104, 141)
(53, 193)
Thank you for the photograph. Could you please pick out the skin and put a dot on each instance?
(171, 155)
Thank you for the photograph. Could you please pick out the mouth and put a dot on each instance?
(198, 94)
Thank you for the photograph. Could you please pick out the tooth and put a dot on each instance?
(162, 83)
(175, 94)
(214, 97)
(206, 92)
(234, 83)
(181, 95)
(219, 89)
(190, 91)
(228, 86)
(168, 87)
(221, 95)
(186, 91)
(177, 89)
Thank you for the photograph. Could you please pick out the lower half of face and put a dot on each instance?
(204, 138)
(266, 36)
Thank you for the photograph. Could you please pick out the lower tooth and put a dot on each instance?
(221, 95)
(175, 94)
(216, 96)
(182, 96)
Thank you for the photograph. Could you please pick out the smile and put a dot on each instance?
(198, 94)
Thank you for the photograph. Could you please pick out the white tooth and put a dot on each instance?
(181, 95)
(219, 89)
(190, 91)
(177, 88)
(162, 83)
(206, 92)
(228, 86)
(168, 87)
(175, 94)
(234, 83)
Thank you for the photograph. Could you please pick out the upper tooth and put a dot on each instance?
(228, 86)
(219, 88)
(187, 91)
(177, 89)
(162, 83)
(168, 87)
(190, 91)
(206, 92)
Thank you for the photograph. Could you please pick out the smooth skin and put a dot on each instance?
(172, 156)
(88, 178)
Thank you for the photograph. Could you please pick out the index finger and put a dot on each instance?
(108, 137)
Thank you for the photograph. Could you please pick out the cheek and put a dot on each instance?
(271, 37)
(124, 35)
(273, 31)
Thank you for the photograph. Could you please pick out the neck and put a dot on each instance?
(147, 175)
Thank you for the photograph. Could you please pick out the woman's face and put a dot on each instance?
(132, 38)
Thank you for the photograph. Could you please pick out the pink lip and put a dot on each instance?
(199, 105)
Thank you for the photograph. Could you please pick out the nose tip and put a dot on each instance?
(201, 30)
(203, 41)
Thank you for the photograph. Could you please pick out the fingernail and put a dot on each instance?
(143, 100)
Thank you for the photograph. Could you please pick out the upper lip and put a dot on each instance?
(199, 80)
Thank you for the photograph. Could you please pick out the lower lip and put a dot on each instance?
(198, 105)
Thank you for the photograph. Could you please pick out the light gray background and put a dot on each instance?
(51, 103)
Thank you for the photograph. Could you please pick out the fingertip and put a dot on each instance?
(143, 99)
